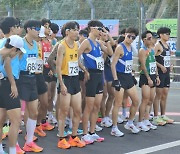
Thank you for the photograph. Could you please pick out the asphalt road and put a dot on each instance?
(129, 143)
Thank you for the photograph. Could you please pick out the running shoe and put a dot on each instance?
(32, 147)
(98, 129)
(167, 119)
(76, 142)
(97, 138)
(79, 131)
(120, 121)
(87, 139)
(142, 126)
(65, 134)
(106, 123)
(3, 152)
(47, 126)
(39, 131)
(158, 121)
(149, 124)
(19, 150)
(116, 132)
(63, 144)
(4, 136)
(132, 128)
(52, 119)
(6, 130)
(124, 118)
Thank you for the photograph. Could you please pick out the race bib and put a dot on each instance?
(31, 64)
(167, 61)
(1, 75)
(73, 68)
(46, 56)
(100, 63)
(128, 66)
(152, 67)
(39, 66)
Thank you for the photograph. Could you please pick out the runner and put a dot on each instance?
(27, 82)
(94, 62)
(162, 53)
(67, 70)
(121, 69)
(10, 102)
(149, 78)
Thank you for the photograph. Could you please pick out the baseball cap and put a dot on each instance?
(41, 32)
(17, 42)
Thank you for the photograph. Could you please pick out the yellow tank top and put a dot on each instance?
(70, 65)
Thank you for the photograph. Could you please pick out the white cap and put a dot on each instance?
(17, 42)
(42, 31)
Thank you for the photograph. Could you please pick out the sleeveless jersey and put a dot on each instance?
(70, 65)
(94, 59)
(124, 64)
(164, 58)
(46, 50)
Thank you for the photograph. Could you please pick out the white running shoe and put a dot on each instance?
(98, 129)
(120, 121)
(124, 118)
(87, 139)
(132, 128)
(142, 126)
(149, 124)
(109, 119)
(97, 138)
(106, 123)
(52, 119)
(116, 132)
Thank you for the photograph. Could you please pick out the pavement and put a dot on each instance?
(164, 140)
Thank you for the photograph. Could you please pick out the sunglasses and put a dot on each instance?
(131, 37)
(99, 28)
(167, 33)
(36, 28)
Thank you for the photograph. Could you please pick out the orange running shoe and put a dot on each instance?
(39, 131)
(76, 142)
(47, 126)
(34, 138)
(19, 150)
(63, 144)
(32, 147)
(4, 136)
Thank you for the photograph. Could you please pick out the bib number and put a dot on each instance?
(46, 56)
(1, 75)
(31, 64)
(152, 68)
(39, 66)
(73, 68)
(128, 66)
(167, 61)
(100, 63)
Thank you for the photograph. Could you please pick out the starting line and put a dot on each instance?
(156, 148)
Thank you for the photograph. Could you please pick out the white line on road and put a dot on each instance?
(156, 148)
(177, 123)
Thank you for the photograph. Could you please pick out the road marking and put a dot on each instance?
(156, 148)
(177, 123)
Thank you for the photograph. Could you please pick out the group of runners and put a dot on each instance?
(91, 73)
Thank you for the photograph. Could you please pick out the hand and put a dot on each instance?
(14, 91)
(63, 89)
(50, 73)
(158, 81)
(150, 82)
(116, 84)
(163, 69)
(86, 76)
(171, 67)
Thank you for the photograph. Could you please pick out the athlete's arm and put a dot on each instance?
(60, 55)
(110, 37)
(7, 66)
(84, 48)
(51, 59)
(142, 59)
(109, 48)
(117, 54)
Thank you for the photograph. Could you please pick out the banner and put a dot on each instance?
(154, 24)
(113, 25)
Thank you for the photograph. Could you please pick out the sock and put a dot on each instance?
(12, 150)
(124, 112)
(113, 127)
(1, 147)
(130, 122)
(73, 137)
(70, 123)
(30, 127)
(91, 133)
(43, 121)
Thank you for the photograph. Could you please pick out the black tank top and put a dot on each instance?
(164, 58)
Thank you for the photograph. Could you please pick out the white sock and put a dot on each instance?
(70, 123)
(1, 148)
(12, 150)
(30, 127)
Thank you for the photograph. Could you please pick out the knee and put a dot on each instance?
(33, 115)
